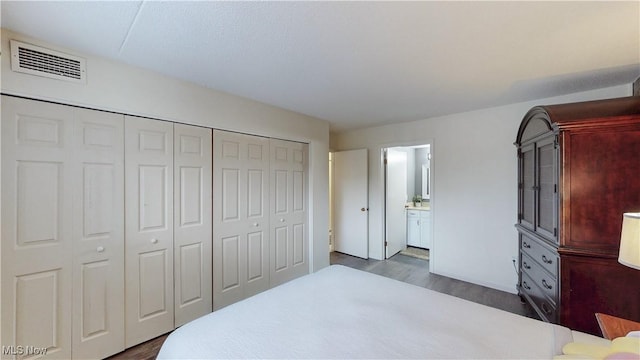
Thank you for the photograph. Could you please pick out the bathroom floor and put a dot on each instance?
(416, 252)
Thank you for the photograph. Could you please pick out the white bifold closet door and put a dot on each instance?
(37, 185)
(289, 248)
(241, 220)
(149, 299)
(62, 229)
(98, 235)
(192, 222)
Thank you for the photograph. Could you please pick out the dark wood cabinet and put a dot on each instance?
(578, 172)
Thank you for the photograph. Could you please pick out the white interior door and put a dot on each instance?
(241, 217)
(351, 202)
(192, 222)
(289, 243)
(98, 234)
(148, 229)
(396, 199)
(37, 185)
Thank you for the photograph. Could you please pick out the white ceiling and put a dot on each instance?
(357, 64)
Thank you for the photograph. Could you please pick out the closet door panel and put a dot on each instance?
(192, 222)
(289, 250)
(227, 262)
(37, 144)
(240, 217)
(98, 234)
(149, 302)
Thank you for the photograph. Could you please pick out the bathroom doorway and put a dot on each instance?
(408, 200)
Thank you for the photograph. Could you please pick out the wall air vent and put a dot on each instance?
(36, 60)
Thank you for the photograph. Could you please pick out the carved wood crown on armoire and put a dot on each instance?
(578, 172)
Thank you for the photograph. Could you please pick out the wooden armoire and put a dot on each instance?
(578, 172)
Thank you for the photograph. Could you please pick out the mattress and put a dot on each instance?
(339, 312)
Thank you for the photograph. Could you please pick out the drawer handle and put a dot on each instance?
(100, 249)
(546, 308)
(525, 265)
(525, 245)
(547, 261)
(524, 285)
(544, 283)
(154, 241)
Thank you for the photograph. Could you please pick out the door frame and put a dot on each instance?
(381, 189)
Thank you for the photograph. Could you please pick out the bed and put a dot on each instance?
(339, 312)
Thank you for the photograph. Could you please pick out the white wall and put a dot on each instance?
(474, 173)
(122, 88)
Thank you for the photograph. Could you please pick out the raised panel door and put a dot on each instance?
(98, 235)
(288, 219)
(37, 160)
(149, 301)
(240, 220)
(192, 222)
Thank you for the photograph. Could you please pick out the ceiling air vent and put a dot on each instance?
(36, 60)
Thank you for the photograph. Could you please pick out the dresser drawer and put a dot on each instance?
(545, 308)
(547, 258)
(540, 277)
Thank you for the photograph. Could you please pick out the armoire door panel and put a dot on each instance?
(192, 222)
(37, 159)
(240, 217)
(527, 187)
(546, 214)
(149, 229)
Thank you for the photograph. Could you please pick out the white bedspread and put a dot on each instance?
(340, 312)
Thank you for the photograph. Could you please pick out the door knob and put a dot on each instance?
(100, 249)
(256, 224)
(362, 209)
(281, 220)
(154, 241)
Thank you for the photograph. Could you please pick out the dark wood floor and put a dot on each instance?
(416, 271)
(400, 267)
